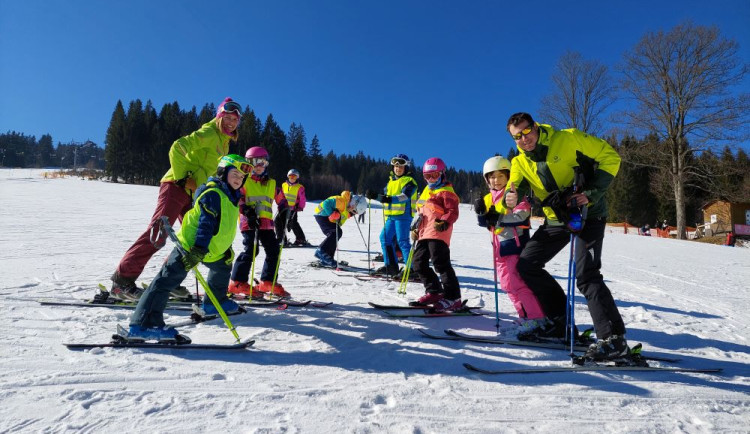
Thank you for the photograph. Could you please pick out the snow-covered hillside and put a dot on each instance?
(349, 368)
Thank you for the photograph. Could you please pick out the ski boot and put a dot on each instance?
(428, 299)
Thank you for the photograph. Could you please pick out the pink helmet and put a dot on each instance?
(256, 152)
(433, 164)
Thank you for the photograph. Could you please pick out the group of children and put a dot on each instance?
(241, 189)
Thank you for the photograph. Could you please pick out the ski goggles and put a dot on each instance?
(431, 176)
(244, 168)
(231, 107)
(259, 161)
(397, 161)
(524, 132)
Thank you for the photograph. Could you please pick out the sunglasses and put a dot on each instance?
(259, 162)
(398, 162)
(431, 176)
(231, 107)
(524, 132)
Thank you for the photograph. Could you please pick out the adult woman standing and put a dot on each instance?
(192, 158)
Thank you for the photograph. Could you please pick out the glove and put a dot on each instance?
(229, 256)
(370, 194)
(479, 207)
(492, 217)
(252, 217)
(334, 217)
(187, 183)
(193, 257)
(414, 235)
(441, 225)
(382, 198)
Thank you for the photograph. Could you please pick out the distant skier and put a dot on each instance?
(399, 201)
(295, 198)
(331, 214)
(193, 159)
(256, 222)
(510, 232)
(437, 209)
(206, 234)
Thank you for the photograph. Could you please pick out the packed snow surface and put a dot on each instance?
(349, 368)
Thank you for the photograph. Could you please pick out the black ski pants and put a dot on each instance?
(547, 242)
(440, 253)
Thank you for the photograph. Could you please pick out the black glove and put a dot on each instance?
(479, 206)
(370, 194)
(441, 225)
(252, 217)
(492, 217)
(382, 198)
(193, 257)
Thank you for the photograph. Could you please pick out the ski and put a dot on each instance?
(342, 266)
(183, 306)
(452, 335)
(376, 276)
(161, 346)
(399, 306)
(587, 368)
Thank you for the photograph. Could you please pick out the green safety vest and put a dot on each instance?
(396, 187)
(227, 226)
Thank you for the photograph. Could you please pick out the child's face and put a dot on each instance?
(497, 180)
(235, 178)
(259, 169)
(399, 170)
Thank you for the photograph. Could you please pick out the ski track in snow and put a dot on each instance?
(348, 368)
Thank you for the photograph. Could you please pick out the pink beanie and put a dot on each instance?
(228, 106)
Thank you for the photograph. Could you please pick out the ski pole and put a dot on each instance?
(336, 237)
(363, 237)
(172, 236)
(495, 252)
(369, 225)
(278, 259)
(569, 331)
(407, 269)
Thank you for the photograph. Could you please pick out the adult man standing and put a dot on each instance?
(570, 172)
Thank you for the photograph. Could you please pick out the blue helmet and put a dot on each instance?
(400, 160)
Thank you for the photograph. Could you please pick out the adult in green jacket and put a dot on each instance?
(570, 172)
(192, 158)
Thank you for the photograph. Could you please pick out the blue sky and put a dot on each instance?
(425, 78)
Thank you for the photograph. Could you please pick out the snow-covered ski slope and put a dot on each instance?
(348, 368)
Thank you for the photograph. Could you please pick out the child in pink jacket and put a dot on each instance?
(437, 210)
(510, 230)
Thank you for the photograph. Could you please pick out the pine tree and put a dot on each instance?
(114, 151)
(274, 140)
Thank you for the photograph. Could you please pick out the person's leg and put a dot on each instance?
(172, 202)
(271, 247)
(150, 309)
(241, 269)
(441, 260)
(421, 264)
(524, 300)
(299, 234)
(328, 246)
(546, 242)
(218, 278)
(602, 307)
(403, 236)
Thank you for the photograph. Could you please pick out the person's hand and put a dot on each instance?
(480, 207)
(334, 217)
(193, 257)
(382, 198)
(492, 217)
(370, 194)
(252, 217)
(441, 225)
(414, 235)
(190, 184)
(511, 197)
(577, 199)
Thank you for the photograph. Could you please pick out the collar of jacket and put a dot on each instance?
(540, 151)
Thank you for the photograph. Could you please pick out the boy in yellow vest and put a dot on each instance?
(207, 233)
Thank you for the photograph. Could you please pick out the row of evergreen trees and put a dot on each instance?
(138, 142)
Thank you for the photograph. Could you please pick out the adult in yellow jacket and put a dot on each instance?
(193, 159)
(570, 172)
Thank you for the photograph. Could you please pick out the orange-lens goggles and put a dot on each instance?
(525, 132)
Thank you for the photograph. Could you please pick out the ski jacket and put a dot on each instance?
(436, 204)
(197, 155)
(403, 193)
(550, 167)
(295, 195)
(210, 223)
(336, 208)
(259, 193)
(512, 229)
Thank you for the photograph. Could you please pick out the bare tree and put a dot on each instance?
(681, 83)
(582, 92)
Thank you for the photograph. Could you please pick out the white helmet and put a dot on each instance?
(292, 172)
(358, 203)
(495, 163)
